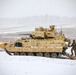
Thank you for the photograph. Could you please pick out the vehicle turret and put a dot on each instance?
(44, 32)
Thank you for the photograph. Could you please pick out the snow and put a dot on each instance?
(31, 65)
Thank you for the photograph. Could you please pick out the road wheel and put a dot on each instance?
(46, 54)
(39, 54)
(16, 53)
(54, 55)
(30, 54)
(22, 53)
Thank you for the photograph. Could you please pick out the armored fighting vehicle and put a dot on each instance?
(45, 42)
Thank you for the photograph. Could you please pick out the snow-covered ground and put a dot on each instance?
(30, 65)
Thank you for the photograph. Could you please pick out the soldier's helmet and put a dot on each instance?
(73, 40)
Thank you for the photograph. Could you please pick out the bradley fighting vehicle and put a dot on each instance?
(42, 42)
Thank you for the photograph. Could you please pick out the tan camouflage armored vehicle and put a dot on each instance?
(45, 42)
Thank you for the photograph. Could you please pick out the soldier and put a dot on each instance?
(73, 47)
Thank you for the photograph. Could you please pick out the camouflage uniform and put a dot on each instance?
(73, 47)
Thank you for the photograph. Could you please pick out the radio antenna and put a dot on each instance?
(46, 19)
(61, 30)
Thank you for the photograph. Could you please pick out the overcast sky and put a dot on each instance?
(23, 8)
